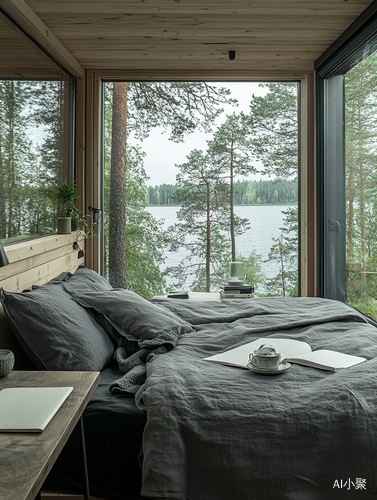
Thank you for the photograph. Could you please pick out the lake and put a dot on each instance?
(265, 221)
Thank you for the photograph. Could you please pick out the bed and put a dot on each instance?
(166, 424)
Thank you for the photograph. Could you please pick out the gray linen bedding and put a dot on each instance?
(216, 432)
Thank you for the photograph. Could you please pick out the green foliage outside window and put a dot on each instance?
(206, 189)
(33, 159)
(361, 185)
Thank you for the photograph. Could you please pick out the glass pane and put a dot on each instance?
(361, 184)
(194, 182)
(332, 193)
(36, 133)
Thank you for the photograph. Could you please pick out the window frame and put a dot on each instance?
(305, 165)
(356, 43)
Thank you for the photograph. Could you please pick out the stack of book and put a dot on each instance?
(241, 291)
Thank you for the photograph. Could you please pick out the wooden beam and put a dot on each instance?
(92, 160)
(80, 172)
(35, 27)
(308, 191)
(194, 7)
(222, 75)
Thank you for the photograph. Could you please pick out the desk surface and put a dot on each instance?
(26, 459)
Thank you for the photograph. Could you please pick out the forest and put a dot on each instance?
(30, 168)
(261, 192)
(207, 186)
(263, 141)
(361, 184)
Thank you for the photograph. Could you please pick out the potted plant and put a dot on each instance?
(65, 194)
(78, 220)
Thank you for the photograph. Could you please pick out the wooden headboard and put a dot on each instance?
(34, 262)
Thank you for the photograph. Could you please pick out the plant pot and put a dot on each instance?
(64, 225)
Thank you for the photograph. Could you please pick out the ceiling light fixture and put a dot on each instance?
(232, 55)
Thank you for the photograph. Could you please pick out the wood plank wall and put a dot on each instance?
(35, 262)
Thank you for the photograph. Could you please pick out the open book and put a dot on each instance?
(294, 351)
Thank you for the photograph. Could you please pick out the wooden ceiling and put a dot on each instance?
(21, 58)
(266, 35)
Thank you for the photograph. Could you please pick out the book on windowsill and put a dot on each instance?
(231, 295)
(293, 351)
(238, 288)
(178, 295)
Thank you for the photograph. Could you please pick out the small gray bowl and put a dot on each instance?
(6, 362)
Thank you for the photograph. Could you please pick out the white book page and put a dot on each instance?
(328, 359)
(204, 296)
(239, 356)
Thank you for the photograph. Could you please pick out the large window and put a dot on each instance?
(361, 184)
(36, 135)
(198, 175)
(347, 102)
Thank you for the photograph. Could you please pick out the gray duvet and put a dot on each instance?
(216, 432)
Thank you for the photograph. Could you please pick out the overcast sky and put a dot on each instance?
(162, 155)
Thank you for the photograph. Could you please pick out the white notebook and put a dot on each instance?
(30, 409)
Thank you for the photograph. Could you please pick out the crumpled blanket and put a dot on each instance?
(264, 315)
(134, 367)
(216, 432)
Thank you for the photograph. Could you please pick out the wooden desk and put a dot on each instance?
(26, 459)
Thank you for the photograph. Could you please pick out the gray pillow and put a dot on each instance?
(83, 280)
(132, 317)
(55, 332)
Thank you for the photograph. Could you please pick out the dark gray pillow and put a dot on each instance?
(83, 280)
(56, 332)
(132, 317)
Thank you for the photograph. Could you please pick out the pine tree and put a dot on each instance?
(117, 193)
(361, 184)
(145, 238)
(274, 123)
(16, 152)
(180, 107)
(202, 194)
(230, 150)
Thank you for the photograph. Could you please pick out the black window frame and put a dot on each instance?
(354, 45)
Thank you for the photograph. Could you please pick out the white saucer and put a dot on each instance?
(275, 371)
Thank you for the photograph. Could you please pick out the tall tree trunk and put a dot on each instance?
(231, 199)
(351, 199)
(350, 265)
(117, 200)
(283, 284)
(208, 249)
(362, 209)
(2, 196)
(11, 162)
(19, 222)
